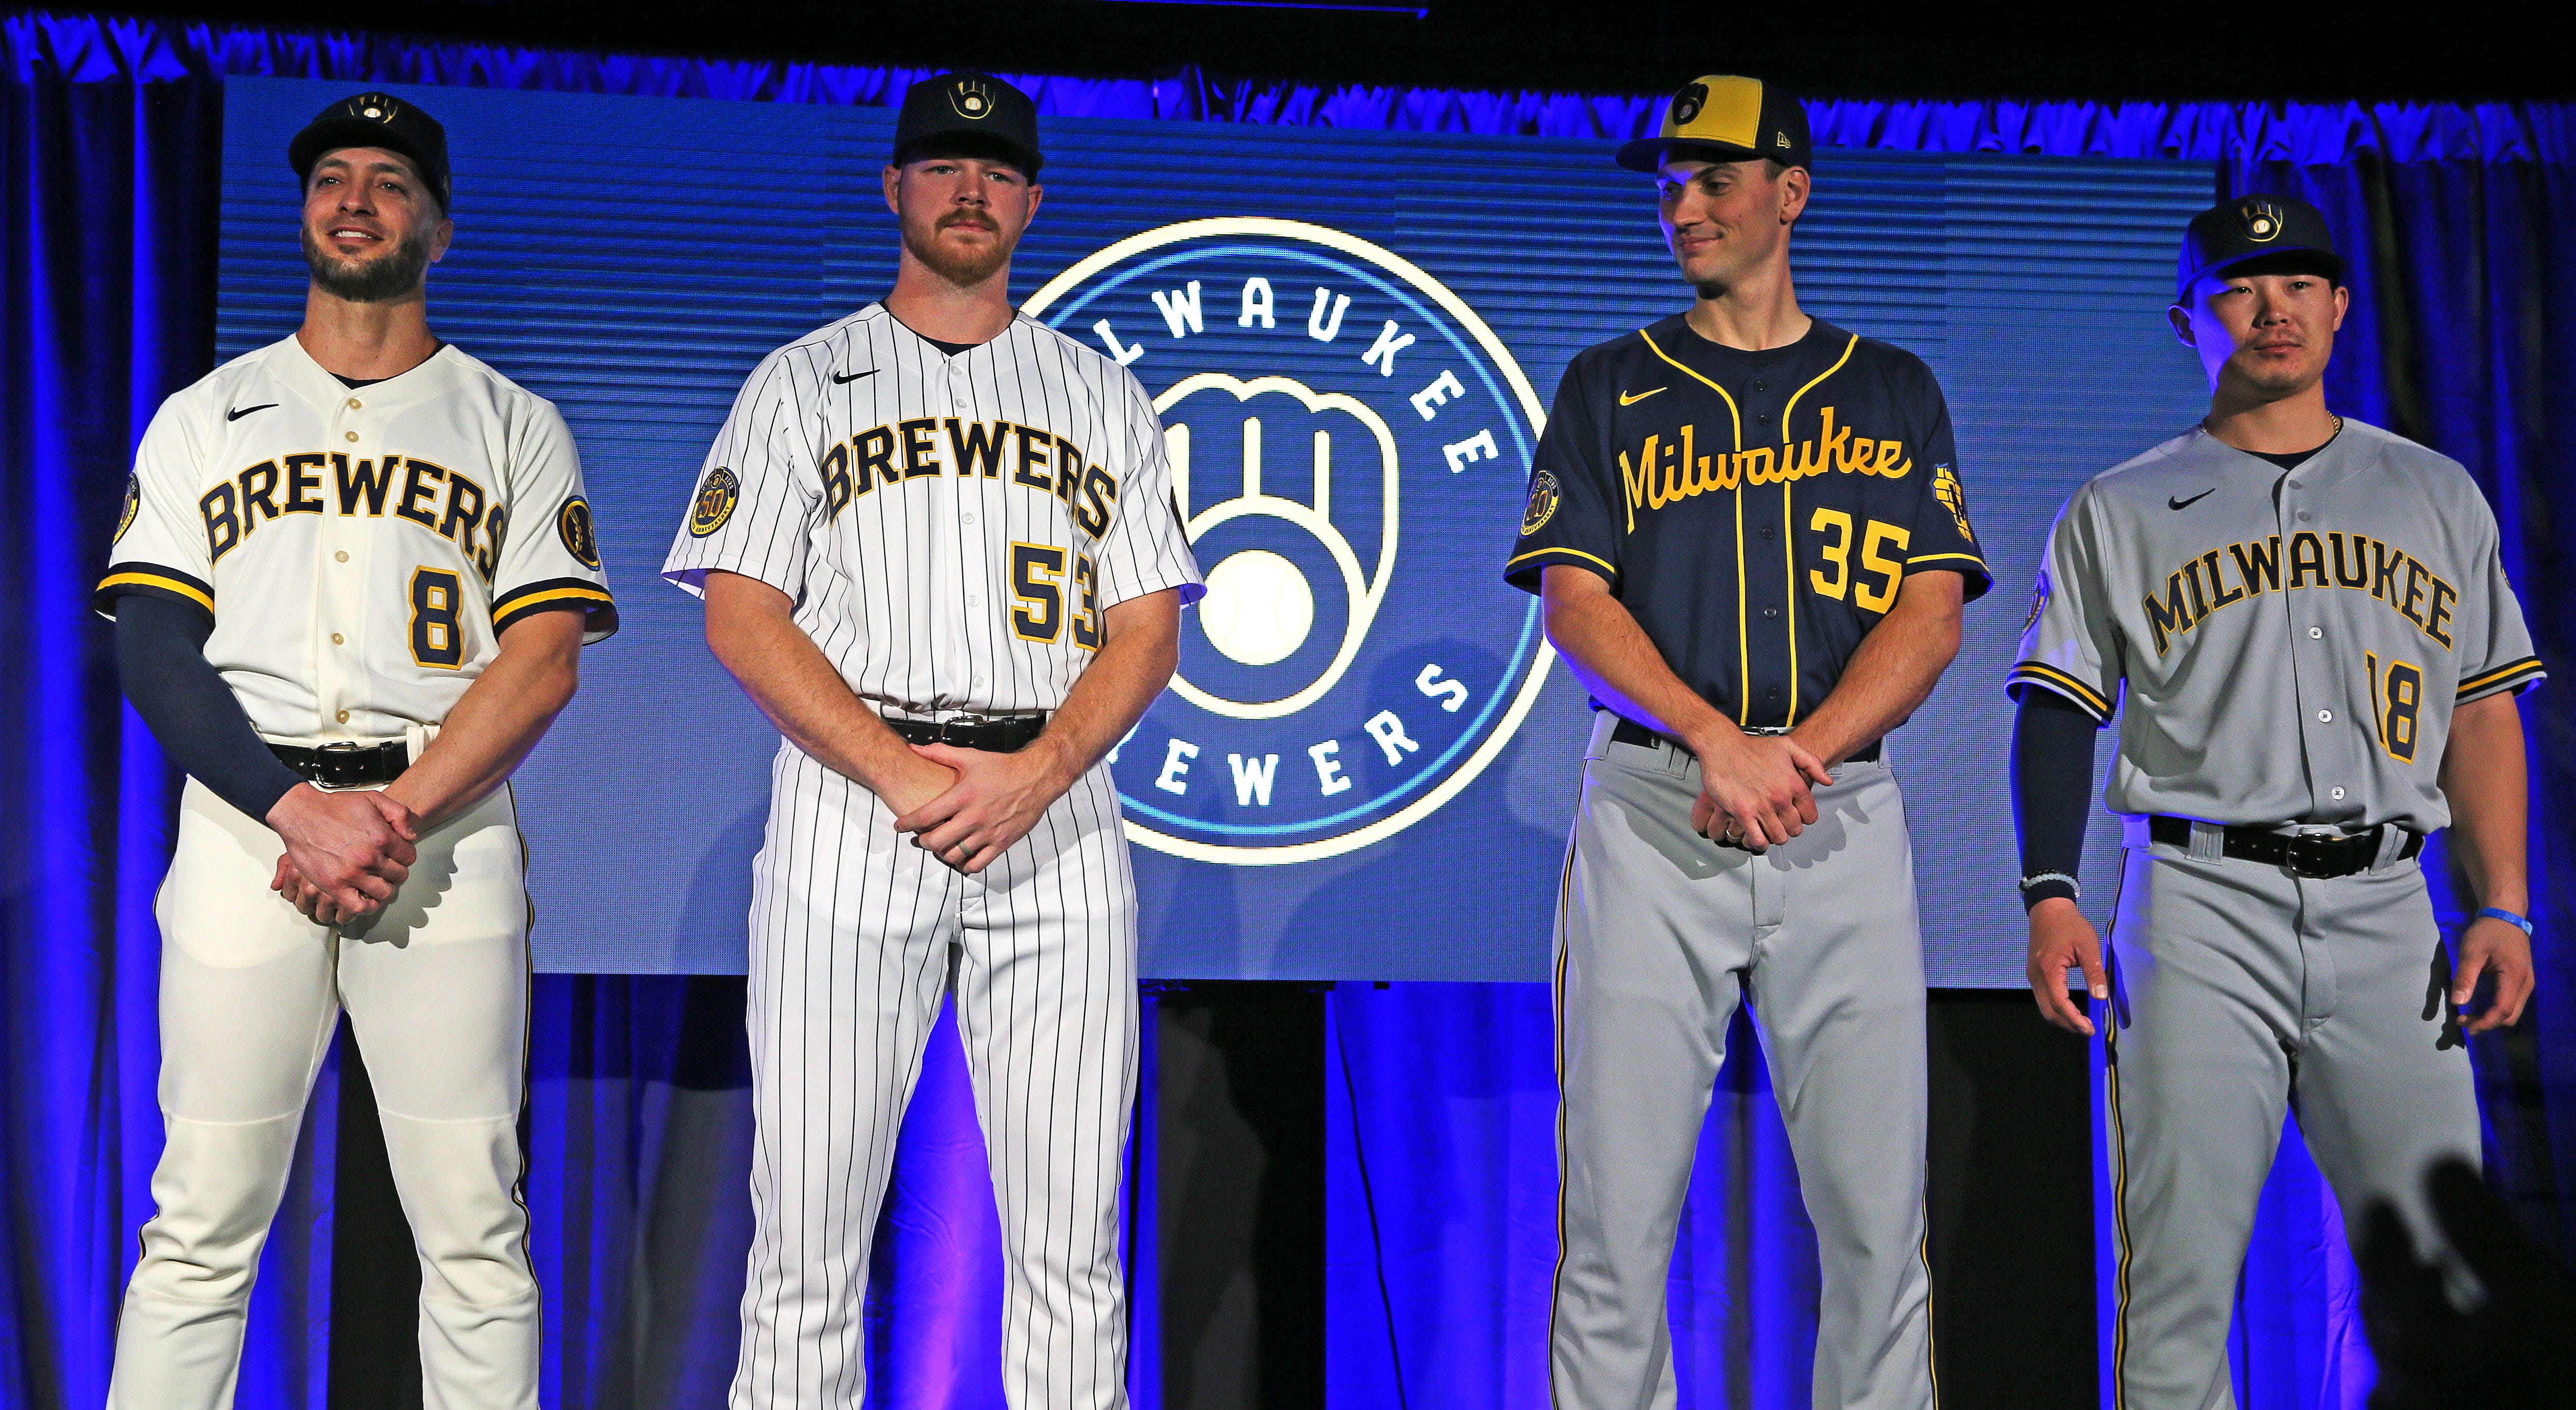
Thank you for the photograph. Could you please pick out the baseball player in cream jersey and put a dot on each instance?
(938, 547)
(2304, 625)
(351, 585)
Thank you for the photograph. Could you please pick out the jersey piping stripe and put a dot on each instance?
(1743, 642)
(166, 582)
(1811, 386)
(2511, 674)
(2110, 1027)
(1789, 565)
(1939, 557)
(1731, 413)
(2035, 673)
(1571, 552)
(1789, 521)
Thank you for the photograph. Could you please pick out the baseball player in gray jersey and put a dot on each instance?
(937, 546)
(2304, 626)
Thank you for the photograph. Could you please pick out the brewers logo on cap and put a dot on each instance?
(970, 98)
(1727, 118)
(2262, 219)
(375, 107)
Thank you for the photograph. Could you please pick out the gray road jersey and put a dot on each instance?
(2291, 642)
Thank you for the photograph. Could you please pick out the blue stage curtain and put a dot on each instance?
(108, 143)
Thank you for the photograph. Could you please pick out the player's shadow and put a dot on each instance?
(715, 916)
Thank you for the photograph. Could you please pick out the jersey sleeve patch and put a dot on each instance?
(2048, 677)
(2515, 676)
(133, 506)
(718, 493)
(580, 538)
(599, 610)
(1543, 498)
(150, 580)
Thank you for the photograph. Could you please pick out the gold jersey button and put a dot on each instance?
(344, 717)
(341, 556)
(353, 435)
(354, 403)
(336, 639)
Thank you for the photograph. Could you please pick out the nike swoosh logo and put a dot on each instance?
(841, 377)
(239, 412)
(2173, 502)
(1627, 400)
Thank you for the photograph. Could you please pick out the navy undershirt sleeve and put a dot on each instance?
(161, 655)
(2052, 786)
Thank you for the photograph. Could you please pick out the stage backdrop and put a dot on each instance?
(1365, 768)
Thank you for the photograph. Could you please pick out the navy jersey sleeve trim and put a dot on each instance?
(1526, 570)
(2047, 677)
(2516, 676)
(151, 580)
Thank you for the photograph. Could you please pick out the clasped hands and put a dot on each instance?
(967, 806)
(345, 852)
(1756, 791)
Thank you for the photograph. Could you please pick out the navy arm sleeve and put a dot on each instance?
(2052, 784)
(161, 655)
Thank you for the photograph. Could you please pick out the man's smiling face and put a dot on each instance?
(372, 227)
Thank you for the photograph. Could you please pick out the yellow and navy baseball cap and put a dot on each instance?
(968, 114)
(2255, 227)
(1722, 117)
(375, 120)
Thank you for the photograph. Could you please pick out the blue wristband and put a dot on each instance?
(2520, 923)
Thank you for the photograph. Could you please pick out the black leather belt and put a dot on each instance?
(1629, 731)
(2316, 856)
(346, 763)
(1008, 735)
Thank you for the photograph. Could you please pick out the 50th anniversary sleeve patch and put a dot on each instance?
(1348, 441)
(718, 493)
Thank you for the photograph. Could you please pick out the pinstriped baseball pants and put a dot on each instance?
(852, 931)
(1661, 933)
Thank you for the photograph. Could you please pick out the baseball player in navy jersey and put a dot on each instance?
(2303, 626)
(1748, 529)
(937, 546)
(351, 587)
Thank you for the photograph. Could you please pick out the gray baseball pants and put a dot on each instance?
(1660, 933)
(2242, 993)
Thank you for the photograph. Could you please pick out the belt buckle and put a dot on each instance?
(337, 762)
(2312, 855)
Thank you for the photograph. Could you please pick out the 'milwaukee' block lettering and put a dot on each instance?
(2354, 562)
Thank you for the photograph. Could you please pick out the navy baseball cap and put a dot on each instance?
(968, 114)
(2251, 228)
(1725, 118)
(375, 120)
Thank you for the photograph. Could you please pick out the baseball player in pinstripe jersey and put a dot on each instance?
(937, 546)
(2304, 625)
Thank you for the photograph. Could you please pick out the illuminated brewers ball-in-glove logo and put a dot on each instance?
(1348, 442)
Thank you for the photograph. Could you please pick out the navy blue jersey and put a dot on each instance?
(1755, 511)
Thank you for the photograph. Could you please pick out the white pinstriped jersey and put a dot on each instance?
(2290, 642)
(953, 529)
(360, 549)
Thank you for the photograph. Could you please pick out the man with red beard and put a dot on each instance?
(351, 586)
(938, 548)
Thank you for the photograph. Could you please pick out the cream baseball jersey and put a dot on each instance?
(952, 528)
(360, 549)
(2292, 642)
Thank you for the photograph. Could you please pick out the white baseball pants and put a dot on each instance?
(436, 987)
